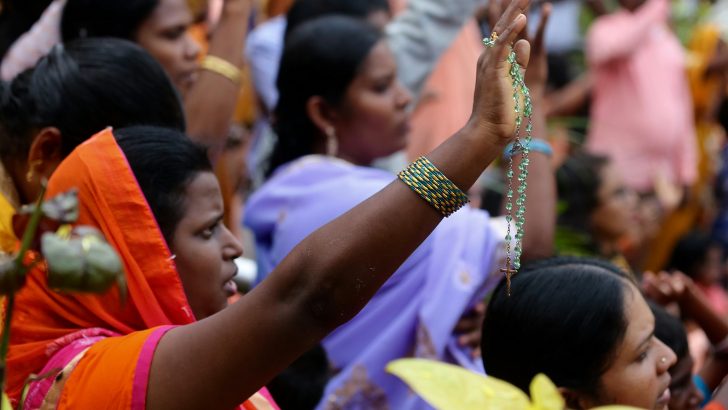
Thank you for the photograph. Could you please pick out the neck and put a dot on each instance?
(352, 159)
(606, 247)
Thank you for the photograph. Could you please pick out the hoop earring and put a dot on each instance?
(332, 142)
(31, 170)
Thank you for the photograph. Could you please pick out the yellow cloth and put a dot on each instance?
(9, 203)
(7, 236)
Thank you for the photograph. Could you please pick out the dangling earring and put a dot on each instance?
(332, 143)
(31, 169)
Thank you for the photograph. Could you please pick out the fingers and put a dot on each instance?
(471, 340)
(522, 49)
(508, 37)
(545, 14)
(515, 8)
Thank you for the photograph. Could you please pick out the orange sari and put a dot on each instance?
(99, 347)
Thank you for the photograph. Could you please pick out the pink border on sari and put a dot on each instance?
(144, 366)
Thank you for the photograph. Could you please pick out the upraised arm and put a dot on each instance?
(210, 103)
(611, 38)
(331, 275)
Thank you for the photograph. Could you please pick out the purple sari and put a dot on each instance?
(414, 313)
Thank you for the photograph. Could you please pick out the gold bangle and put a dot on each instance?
(222, 67)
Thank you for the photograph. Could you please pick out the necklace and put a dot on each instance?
(520, 93)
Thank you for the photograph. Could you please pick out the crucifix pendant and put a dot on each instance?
(509, 272)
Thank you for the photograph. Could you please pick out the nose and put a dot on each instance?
(666, 359)
(192, 47)
(232, 248)
(404, 97)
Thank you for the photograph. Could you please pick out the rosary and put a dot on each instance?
(513, 256)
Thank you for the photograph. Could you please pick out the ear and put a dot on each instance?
(45, 152)
(573, 399)
(321, 113)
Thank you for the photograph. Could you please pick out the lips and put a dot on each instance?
(664, 399)
(230, 287)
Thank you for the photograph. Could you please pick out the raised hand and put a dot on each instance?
(493, 107)
(665, 288)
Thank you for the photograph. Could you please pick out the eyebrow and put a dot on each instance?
(646, 339)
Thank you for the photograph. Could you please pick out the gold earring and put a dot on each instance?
(332, 143)
(31, 169)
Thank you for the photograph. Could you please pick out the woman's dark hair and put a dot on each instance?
(321, 58)
(106, 18)
(164, 162)
(691, 251)
(303, 11)
(564, 318)
(83, 87)
(301, 386)
(670, 330)
(578, 181)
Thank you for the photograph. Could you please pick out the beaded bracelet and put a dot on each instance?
(433, 186)
(535, 145)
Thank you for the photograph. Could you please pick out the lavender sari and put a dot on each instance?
(414, 313)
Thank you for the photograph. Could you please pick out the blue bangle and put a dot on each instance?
(537, 145)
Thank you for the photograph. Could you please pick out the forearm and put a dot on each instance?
(210, 103)
(538, 240)
(698, 308)
(324, 282)
(607, 42)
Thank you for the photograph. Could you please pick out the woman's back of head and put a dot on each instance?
(303, 11)
(107, 18)
(321, 58)
(565, 318)
(164, 162)
(81, 88)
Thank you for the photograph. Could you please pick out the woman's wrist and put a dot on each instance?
(484, 132)
(236, 8)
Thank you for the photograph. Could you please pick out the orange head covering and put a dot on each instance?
(110, 200)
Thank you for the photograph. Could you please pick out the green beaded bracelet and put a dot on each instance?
(433, 186)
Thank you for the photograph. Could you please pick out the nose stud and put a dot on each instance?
(663, 360)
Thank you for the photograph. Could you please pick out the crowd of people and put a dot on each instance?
(203, 133)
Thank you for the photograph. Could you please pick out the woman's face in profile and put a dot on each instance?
(638, 375)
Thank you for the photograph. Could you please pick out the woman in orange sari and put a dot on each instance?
(172, 343)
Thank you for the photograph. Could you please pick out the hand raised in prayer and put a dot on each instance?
(537, 73)
(494, 107)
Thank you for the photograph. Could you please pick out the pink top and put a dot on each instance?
(642, 113)
(34, 44)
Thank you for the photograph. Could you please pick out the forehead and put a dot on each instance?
(379, 61)
(170, 12)
(610, 177)
(640, 322)
(203, 195)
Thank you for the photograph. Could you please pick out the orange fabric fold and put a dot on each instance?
(110, 200)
